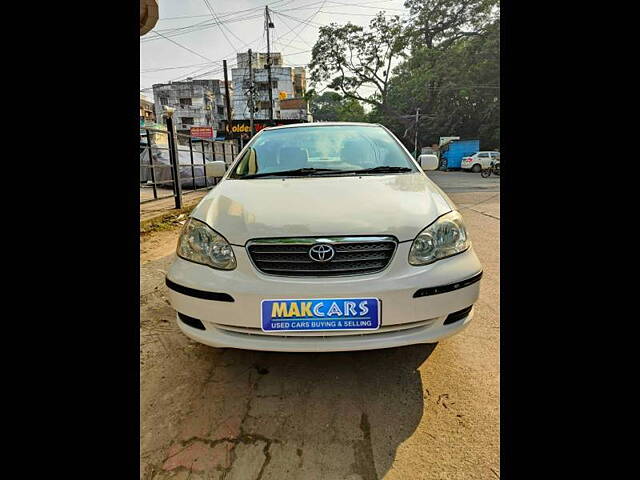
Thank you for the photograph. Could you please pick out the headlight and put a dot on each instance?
(443, 238)
(200, 244)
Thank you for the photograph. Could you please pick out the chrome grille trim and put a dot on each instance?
(289, 257)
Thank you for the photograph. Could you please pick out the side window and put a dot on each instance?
(483, 155)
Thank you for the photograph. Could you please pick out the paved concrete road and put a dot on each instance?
(419, 412)
(462, 181)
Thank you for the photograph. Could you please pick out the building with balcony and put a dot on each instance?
(197, 103)
(287, 83)
(147, 111)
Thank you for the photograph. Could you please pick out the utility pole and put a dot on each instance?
(251, 99)
(269, 24)
(227, 98)
(416, 137)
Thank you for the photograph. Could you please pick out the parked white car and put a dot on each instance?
(324, 237)
(479, 160)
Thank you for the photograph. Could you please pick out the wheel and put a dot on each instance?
(476, 168)
(485, 172)
(496, 170)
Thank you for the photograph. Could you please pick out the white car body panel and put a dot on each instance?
(398, 205)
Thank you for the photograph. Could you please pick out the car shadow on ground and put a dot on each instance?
(300, 415)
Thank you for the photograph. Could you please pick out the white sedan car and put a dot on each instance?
(479, 160)
(324, 237)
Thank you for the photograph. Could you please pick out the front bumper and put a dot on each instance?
(405, 319)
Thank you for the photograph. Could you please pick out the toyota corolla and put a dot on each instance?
(324, 237)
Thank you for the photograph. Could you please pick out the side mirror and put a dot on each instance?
(215, 169)
(428, 162)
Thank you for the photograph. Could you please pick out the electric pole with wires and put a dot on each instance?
(227, 100)
(251, 95)
(267, 25)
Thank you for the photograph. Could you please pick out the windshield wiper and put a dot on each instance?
(307, 172)
(381, 169)
(298, 172)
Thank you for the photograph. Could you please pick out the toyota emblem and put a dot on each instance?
(321, 252)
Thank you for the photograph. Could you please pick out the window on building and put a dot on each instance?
(262, 105)
(187, 120)
(163, 101)
(220, 110)
(185, 101)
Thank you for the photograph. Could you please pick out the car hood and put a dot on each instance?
(399, 205)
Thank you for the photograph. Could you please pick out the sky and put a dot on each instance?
(192, 37)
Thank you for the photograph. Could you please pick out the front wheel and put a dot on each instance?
(496, 170)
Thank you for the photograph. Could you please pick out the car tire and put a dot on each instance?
(476, 168)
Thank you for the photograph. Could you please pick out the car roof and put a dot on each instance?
(322, 124)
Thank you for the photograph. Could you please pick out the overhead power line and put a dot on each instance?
(193, 73)
(219, 25)
(149, 70)
(196, 27)
(297, 35)
(186, 48)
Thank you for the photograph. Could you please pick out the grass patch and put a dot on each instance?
(168, 221)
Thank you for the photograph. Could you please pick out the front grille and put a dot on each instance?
(353, 256)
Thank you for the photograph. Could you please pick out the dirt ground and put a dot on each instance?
(418, 412)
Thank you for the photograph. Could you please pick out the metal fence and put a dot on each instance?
(171, 163)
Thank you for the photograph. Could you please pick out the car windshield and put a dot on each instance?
(323, 150)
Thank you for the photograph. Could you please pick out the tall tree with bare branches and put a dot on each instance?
(350, 57)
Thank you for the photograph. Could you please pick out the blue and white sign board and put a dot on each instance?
(320, 314)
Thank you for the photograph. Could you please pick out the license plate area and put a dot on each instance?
(320, 314)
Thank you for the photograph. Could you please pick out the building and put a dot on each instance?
(147, 111)
(197, 103)
(287, 84)
(148, 15)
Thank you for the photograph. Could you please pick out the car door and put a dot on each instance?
(485, 159)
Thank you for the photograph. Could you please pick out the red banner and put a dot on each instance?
(202, 132)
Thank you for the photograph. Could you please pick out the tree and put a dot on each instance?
(450, 70)
(350, 57)
(324, 108)
(452, 73)
(333, 107)
(440, 23)
(351, 110)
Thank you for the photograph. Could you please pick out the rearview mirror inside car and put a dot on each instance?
(428, 162)
(215, 169)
